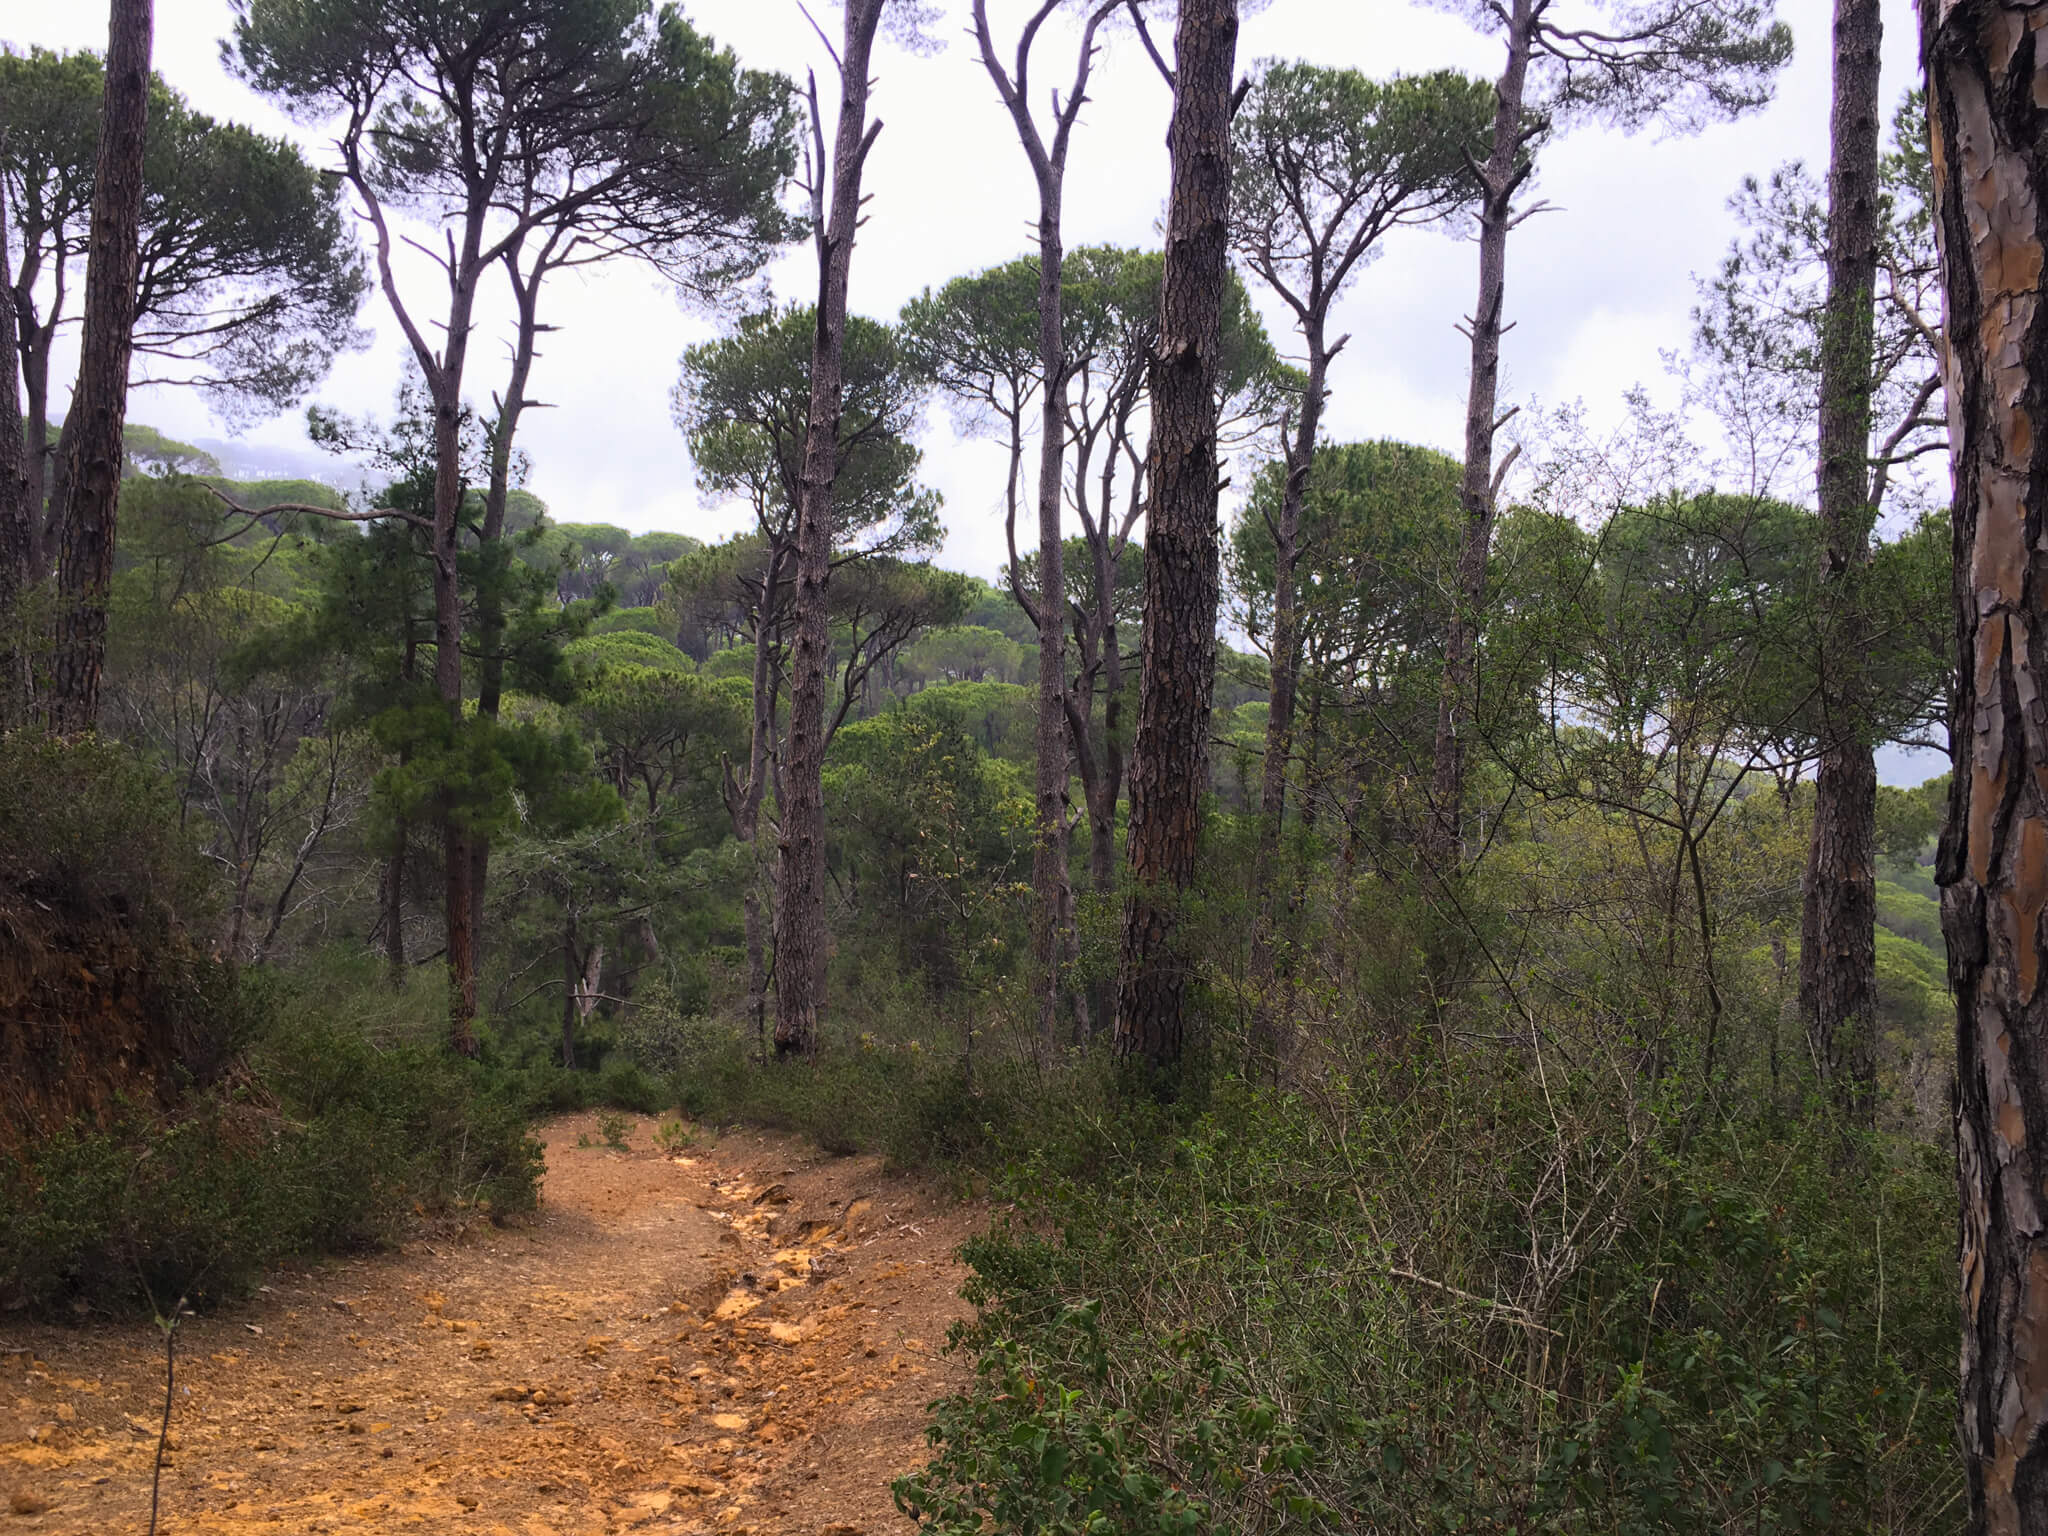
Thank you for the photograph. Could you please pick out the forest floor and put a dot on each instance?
(738, 1339)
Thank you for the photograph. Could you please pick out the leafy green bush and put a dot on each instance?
(1286, 1309)
(1025, 1451)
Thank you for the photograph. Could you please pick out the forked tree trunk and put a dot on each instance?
(1988, 126)
(490, 616)
(100, 405)
(1052, 935)
(800, 904)
(443, 371)
(1499, 178)
(1838, 921)
(1170, 757)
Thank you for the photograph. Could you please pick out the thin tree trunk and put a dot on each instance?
(1838, 922)
(490, 597)
(100, 403)
(19, 510)
(1989, 129)
(1052, 937)
(800, 904)
(1504, 171)
(391, 890)
(457, 873)
(35, 340)
(1051, 929)
(1283, 673)
(443, 371)
(1170, 758)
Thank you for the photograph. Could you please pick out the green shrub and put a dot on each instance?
(1286, 1309)
(329, 1137)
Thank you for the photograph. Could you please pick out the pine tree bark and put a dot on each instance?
(800, 907)
(1170, 756)
(85, 568)
(1505, 169)
(458, 875)
(1051, 897)
(1988, 128)
(1838, 920)
(19, 512)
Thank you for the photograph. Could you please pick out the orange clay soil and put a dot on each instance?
(741, 1338)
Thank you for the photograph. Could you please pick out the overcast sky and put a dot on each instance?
(1598, 289)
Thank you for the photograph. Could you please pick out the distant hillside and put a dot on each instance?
(261, 461)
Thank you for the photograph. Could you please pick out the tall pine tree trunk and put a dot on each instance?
(800, 895)
(85, 569)
(1284, 675)
(457, 873)
(1170, 757)
(496, 563)
(1838, 923)
(19, 511)
(1504, 171)
(1052, 923)
(1988, 127)
(1052, 896)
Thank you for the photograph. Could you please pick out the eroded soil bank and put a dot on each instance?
(739, 1338)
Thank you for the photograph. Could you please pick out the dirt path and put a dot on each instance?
(740, 1339)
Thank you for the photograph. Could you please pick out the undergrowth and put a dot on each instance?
(1333, 1316)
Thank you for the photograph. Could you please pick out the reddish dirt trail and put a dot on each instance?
(739, 1340)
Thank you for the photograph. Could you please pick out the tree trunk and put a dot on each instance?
(1284, 674)
(100, 403)
(457, 872)
(19, 510)
(1504, 171)
(1989, 130)
(800, 905)
(1052, 896)
(1052, 929)
(391, 891)
(490, 598)
(35, 338)
(1170, 757)
(1838, 922)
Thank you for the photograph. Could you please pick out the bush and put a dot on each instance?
(327, 1137)
(1286, 1309)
